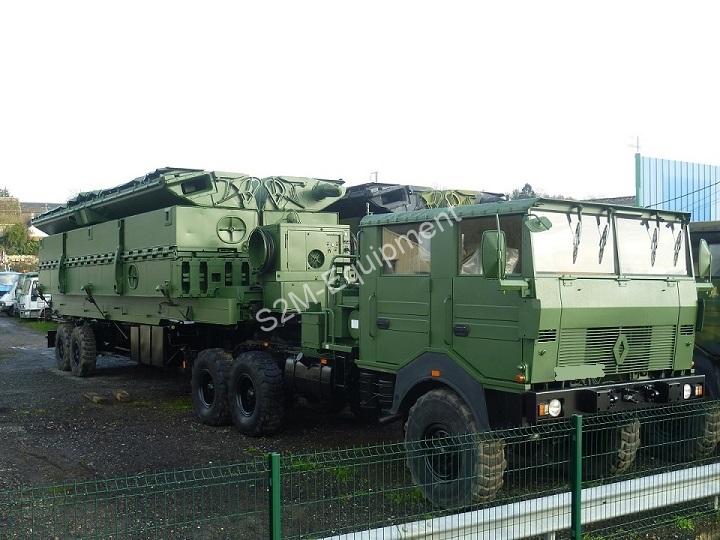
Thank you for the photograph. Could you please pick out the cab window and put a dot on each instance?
(406, 248)
(471, 231)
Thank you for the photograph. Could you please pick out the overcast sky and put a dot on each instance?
(447, 94)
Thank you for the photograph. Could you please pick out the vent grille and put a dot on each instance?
(687, 329)
(649, 348)
(545, 336)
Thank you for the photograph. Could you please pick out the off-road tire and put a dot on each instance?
(209, 384)
(706, 444)
(687, 438)
(256, 394)
(83, 351)
(62, 346)
(611, 451)
(476, 465)
(711, 369)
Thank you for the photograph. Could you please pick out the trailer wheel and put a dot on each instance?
(256, 394)
(83, 351)
(451, 467)
(610, 451)
(209, 382)
(62, 346)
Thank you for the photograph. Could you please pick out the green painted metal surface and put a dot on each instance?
(172, 246)
(598, 292)
(602, 304)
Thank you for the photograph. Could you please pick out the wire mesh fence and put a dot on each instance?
(209, 502)
(648, 474)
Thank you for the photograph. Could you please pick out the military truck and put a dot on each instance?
(450, 320)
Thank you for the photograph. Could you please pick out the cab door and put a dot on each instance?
(397, 298)
(485, 320)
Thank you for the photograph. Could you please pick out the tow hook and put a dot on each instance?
(651, 394)
(629, 396)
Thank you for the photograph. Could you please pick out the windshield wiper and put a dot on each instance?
(653, 247)
(577, 233)
(678, 245)
(603, 241)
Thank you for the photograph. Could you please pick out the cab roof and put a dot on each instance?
(518, 206)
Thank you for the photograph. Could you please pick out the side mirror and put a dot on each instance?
(494, 254)
(704, 260)
(537, 223)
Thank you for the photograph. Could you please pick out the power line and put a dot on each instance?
(683, 195)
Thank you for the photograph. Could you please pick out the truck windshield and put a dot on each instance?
(7, 281)
(575, 244)
(650, 246)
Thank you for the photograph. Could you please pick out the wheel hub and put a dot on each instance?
(206, 389)
(441, 456)
(246, 396)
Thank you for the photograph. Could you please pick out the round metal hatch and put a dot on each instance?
(133, 276)
(231, 229)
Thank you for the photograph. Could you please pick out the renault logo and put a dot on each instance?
(621, 349)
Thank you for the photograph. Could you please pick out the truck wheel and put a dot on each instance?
(209, 383)
(83, 351)
(451, 472)
(687, 438)
(711, 369)
(62, 346)
(612, 451)
(256, 394)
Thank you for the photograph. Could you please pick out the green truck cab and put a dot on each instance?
(529, 302)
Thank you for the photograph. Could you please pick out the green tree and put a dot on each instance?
(526, 192)
(4, 192)
(15, 239)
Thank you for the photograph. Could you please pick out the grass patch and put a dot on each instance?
(411, 496)
(684, 523)
(41, 327)
(33, 412)
(178, 404)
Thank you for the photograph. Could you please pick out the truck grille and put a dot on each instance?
(650, 348)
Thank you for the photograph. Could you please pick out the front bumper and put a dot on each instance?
(613, 397)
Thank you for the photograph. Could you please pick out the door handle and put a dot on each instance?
(461, 330)
(383, 324)
(372, 307)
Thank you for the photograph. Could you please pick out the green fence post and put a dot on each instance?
(275, 497)
(576, 477)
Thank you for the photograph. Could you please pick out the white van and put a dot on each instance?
(8, 286)
(30, 305)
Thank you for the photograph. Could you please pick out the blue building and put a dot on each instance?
(678, 185)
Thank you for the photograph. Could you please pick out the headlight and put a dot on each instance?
(687, 391)
(554, 408)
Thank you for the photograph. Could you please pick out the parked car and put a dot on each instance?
(8, 286)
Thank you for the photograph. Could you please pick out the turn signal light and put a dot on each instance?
(543, 409)
(435, 373)
(698, 390)
(520, 378)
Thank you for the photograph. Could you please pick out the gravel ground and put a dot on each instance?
(50, 432)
